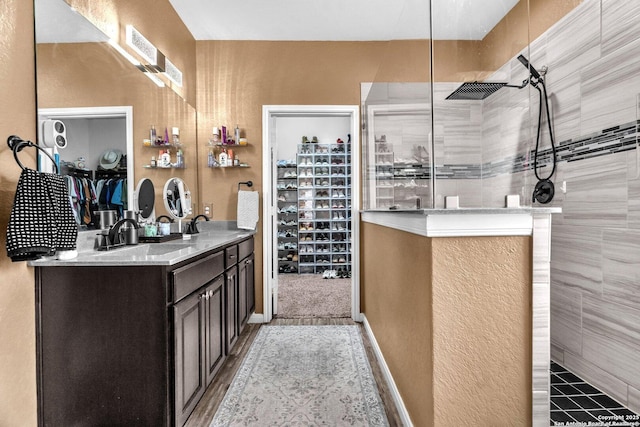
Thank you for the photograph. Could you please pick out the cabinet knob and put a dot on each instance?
(211, 293)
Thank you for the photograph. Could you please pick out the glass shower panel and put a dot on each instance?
(481, 113)
(397, 155)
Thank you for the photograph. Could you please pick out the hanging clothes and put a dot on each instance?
(112, 194)
(82, 199)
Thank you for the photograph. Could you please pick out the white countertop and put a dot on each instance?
(460, 222)
(166, 253)
(467, 211)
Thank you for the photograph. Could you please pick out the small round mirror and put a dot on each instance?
(177, 198)
(144, 200)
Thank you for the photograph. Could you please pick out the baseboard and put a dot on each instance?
(386, 373)
(256, 318)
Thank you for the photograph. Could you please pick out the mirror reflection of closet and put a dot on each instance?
(76, 66)
(65, 89)
(99, 148)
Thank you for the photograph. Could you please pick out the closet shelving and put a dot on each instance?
(324, 207)
(287, 186)
(384, 173)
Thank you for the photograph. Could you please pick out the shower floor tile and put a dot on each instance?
(574, 402)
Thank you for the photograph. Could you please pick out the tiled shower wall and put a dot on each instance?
(593, 55)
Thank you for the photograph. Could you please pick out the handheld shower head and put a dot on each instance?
(534, 73)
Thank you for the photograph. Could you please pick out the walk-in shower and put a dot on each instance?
(477, 91)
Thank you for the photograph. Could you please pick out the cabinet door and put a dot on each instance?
(251, 280)
(231, 294)
(215, 333)
(189, 326)
(242, 294)
(246, 300)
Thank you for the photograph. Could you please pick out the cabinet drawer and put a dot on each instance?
(190, 277)
(245, 248)
(230, 256)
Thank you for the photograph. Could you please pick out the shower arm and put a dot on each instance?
(524, 84)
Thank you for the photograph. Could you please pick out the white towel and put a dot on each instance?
(248, 205)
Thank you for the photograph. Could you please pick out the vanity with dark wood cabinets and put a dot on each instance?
(133, 339)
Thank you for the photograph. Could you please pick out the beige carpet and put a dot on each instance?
(309, 295)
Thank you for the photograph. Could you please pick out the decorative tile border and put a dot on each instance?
(615, 139)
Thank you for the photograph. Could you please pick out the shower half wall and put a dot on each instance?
(594, 87)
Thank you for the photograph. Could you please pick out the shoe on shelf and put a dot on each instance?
(305, 140)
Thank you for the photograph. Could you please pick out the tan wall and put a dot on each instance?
(17, 315)
(396, 297)
(93, 74)
(452, 317)
(157, 21)
(237, 78)
(482, 331)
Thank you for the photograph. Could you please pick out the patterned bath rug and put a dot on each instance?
(303, 376)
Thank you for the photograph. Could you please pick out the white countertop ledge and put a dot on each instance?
(159, 254)
(460, 222)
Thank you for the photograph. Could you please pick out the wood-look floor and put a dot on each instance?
(206, 408)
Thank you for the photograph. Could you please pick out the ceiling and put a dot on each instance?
(358, 20)
(305, 20)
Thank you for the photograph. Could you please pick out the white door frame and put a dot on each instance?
(269, 171)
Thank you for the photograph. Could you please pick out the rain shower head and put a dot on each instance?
(534, 73)
(475, 91)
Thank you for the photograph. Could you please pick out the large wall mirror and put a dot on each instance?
(107, 105)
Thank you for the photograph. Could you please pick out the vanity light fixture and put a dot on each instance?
(114, 44)
(173, 73)
(146, 49)
(126, 55)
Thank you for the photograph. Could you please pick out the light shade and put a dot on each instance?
(173, 73)
(143, 47)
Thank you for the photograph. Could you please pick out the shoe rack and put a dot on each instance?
(324, 207)
(384, 183)
(287, 186)
(402, 182)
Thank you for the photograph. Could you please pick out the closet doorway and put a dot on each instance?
(88, 135)
(311, 181)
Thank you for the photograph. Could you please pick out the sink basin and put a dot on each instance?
(143, 250)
